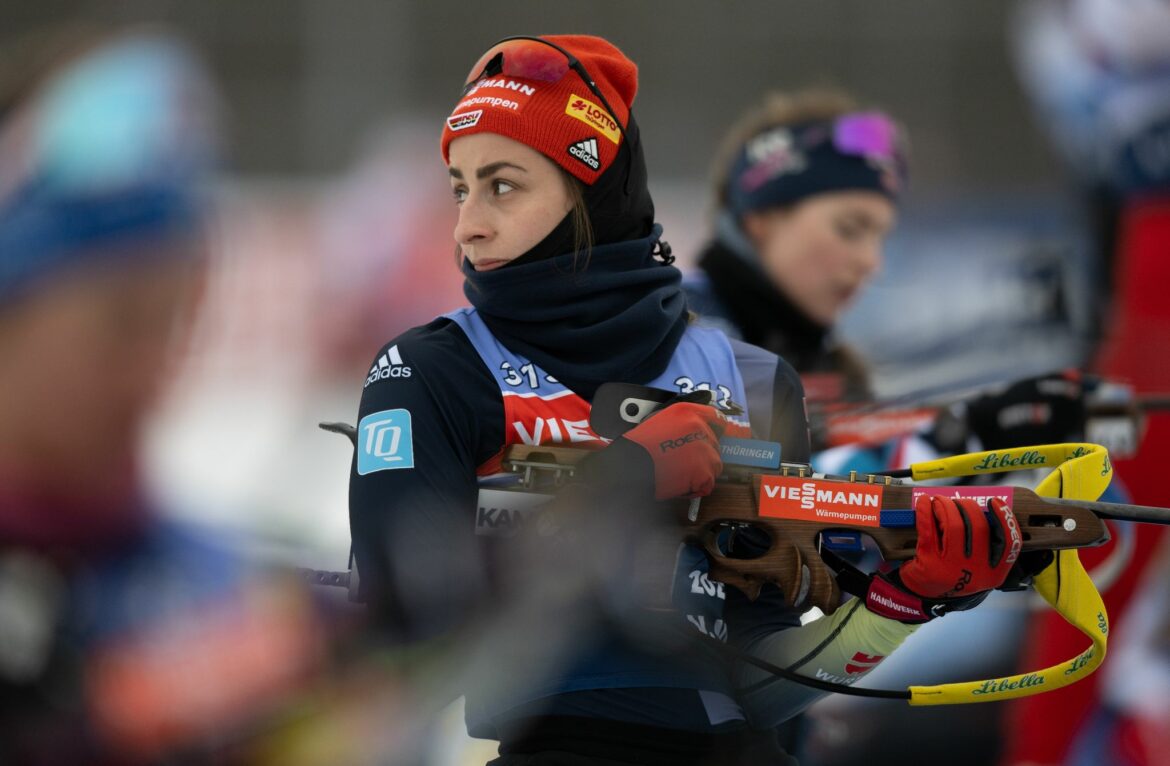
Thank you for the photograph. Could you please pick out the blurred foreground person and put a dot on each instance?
(124, 638)
(579, 661)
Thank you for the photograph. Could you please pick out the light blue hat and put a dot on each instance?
(116, 146)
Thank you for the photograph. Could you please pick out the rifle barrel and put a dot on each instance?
(1121, 511)
(1156, 402)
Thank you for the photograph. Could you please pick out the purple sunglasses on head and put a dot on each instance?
(868, 134)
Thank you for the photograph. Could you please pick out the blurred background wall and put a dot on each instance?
(310, 81)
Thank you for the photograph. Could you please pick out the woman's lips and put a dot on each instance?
(845, 294)
(489, 264)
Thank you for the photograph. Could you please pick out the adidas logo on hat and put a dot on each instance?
(389, 365)
(586, 151)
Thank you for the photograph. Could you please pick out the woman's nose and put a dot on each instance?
(869, 257)
(474, 223)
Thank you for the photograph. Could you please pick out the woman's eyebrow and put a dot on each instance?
(490, 169)
(860, 217)
(486, 170)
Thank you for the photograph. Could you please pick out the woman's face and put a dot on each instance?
(510, 197)
(824, 249)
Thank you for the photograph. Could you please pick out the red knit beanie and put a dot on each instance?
(563, 120)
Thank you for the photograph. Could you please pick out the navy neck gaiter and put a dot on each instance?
(616, 314)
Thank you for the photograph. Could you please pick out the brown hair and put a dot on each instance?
(582, 226)
(774, 110)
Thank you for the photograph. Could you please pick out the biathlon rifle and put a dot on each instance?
(799, 509)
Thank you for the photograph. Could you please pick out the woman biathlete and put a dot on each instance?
(571, 287)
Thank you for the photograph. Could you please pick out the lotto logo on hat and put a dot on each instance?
(593, 115)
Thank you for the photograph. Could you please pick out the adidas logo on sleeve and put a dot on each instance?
(586, 151)
(389, 365)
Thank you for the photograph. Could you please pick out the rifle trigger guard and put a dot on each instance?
(802, 592)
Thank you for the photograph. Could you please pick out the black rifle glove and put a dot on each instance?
(1049, 409)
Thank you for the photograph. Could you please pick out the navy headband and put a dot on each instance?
(785, 164)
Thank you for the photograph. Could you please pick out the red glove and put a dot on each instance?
(683, 443)
(961, 549)
(962, 553)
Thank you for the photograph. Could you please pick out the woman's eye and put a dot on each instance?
(459, 193)
(502, 187)
(850, 230)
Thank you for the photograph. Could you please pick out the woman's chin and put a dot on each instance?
(827, 315)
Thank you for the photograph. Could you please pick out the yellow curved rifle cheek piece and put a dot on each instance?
(1083, 471)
